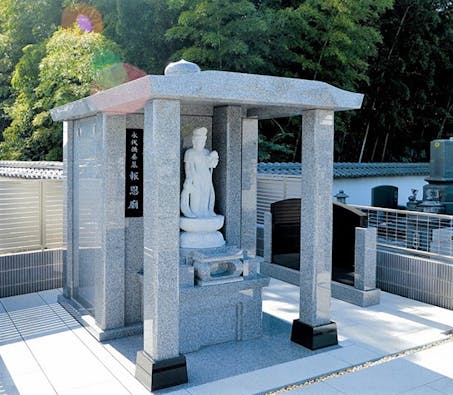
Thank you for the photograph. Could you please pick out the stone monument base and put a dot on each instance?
(201, 239)
(220, 297)
(220, 313)
(156, 375)
(84, 317)
(226, 310)
(201, 232)
(359, 297)
(216, 265)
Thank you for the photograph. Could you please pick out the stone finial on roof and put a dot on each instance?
(181, 67)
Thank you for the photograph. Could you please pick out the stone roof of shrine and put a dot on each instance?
(259, 96)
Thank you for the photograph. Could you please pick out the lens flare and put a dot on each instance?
(104, 58)
(133, 72)
(84, 23)
(116, 74)
(87, 18)
(111, 76)
(109, 71)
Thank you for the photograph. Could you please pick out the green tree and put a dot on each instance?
(139, 27)
(331, 41)
(22, 23)
(65, 73)
(24, 80)
(221, 34)
(409, 99)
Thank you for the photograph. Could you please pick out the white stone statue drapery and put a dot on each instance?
(197, 196)
(199, 222)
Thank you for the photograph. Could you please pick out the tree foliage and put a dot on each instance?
(221, 34)
(397, 52)
(331, 41)
(48, 75)
(22, 23)
(408, 102)
(139, 27)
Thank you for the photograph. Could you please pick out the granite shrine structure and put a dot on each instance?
(125, 271)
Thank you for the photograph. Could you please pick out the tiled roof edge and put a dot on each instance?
(351, 169)
(31, 170)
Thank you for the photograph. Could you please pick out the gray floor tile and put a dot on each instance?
(443, 385)
(392, 377)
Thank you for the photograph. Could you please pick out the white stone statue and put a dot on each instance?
(197, 196)
(199, 223)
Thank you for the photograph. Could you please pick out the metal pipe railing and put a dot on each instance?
(419, 233)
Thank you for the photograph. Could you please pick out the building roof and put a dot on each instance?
(32, 170)
(54, 170)
(351, 170)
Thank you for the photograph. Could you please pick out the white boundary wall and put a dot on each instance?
(271, 188)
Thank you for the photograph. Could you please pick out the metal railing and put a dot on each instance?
(417, 233)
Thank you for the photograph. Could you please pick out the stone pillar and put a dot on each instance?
(227, 140)
(110, 272)
(159, 365)
(68, 209)
(314, 329)
(267, 237)
(249, 170)
(365, 259)
(134, 251)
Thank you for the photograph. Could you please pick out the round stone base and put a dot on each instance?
(201, 239)
(203, 224)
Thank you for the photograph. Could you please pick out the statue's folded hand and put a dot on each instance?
(213, 159)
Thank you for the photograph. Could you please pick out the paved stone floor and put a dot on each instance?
(43, 350)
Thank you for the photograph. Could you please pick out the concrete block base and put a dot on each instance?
(315, 337)
(356, 296)
(156, 375)
(83, 316)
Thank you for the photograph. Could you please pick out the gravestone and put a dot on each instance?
(345, 221)
(286, 216)
(286, 233)
(385, 196)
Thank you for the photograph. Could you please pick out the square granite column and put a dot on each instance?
(134, 251)
(227, 141)
(110, 272)
(68, 209)
(249, 172)
(160, 365)
(365, 259)
(314, 329)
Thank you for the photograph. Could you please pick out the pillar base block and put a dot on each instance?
(156, 375)
(314, 337)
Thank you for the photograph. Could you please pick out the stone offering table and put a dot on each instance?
(137, 132)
